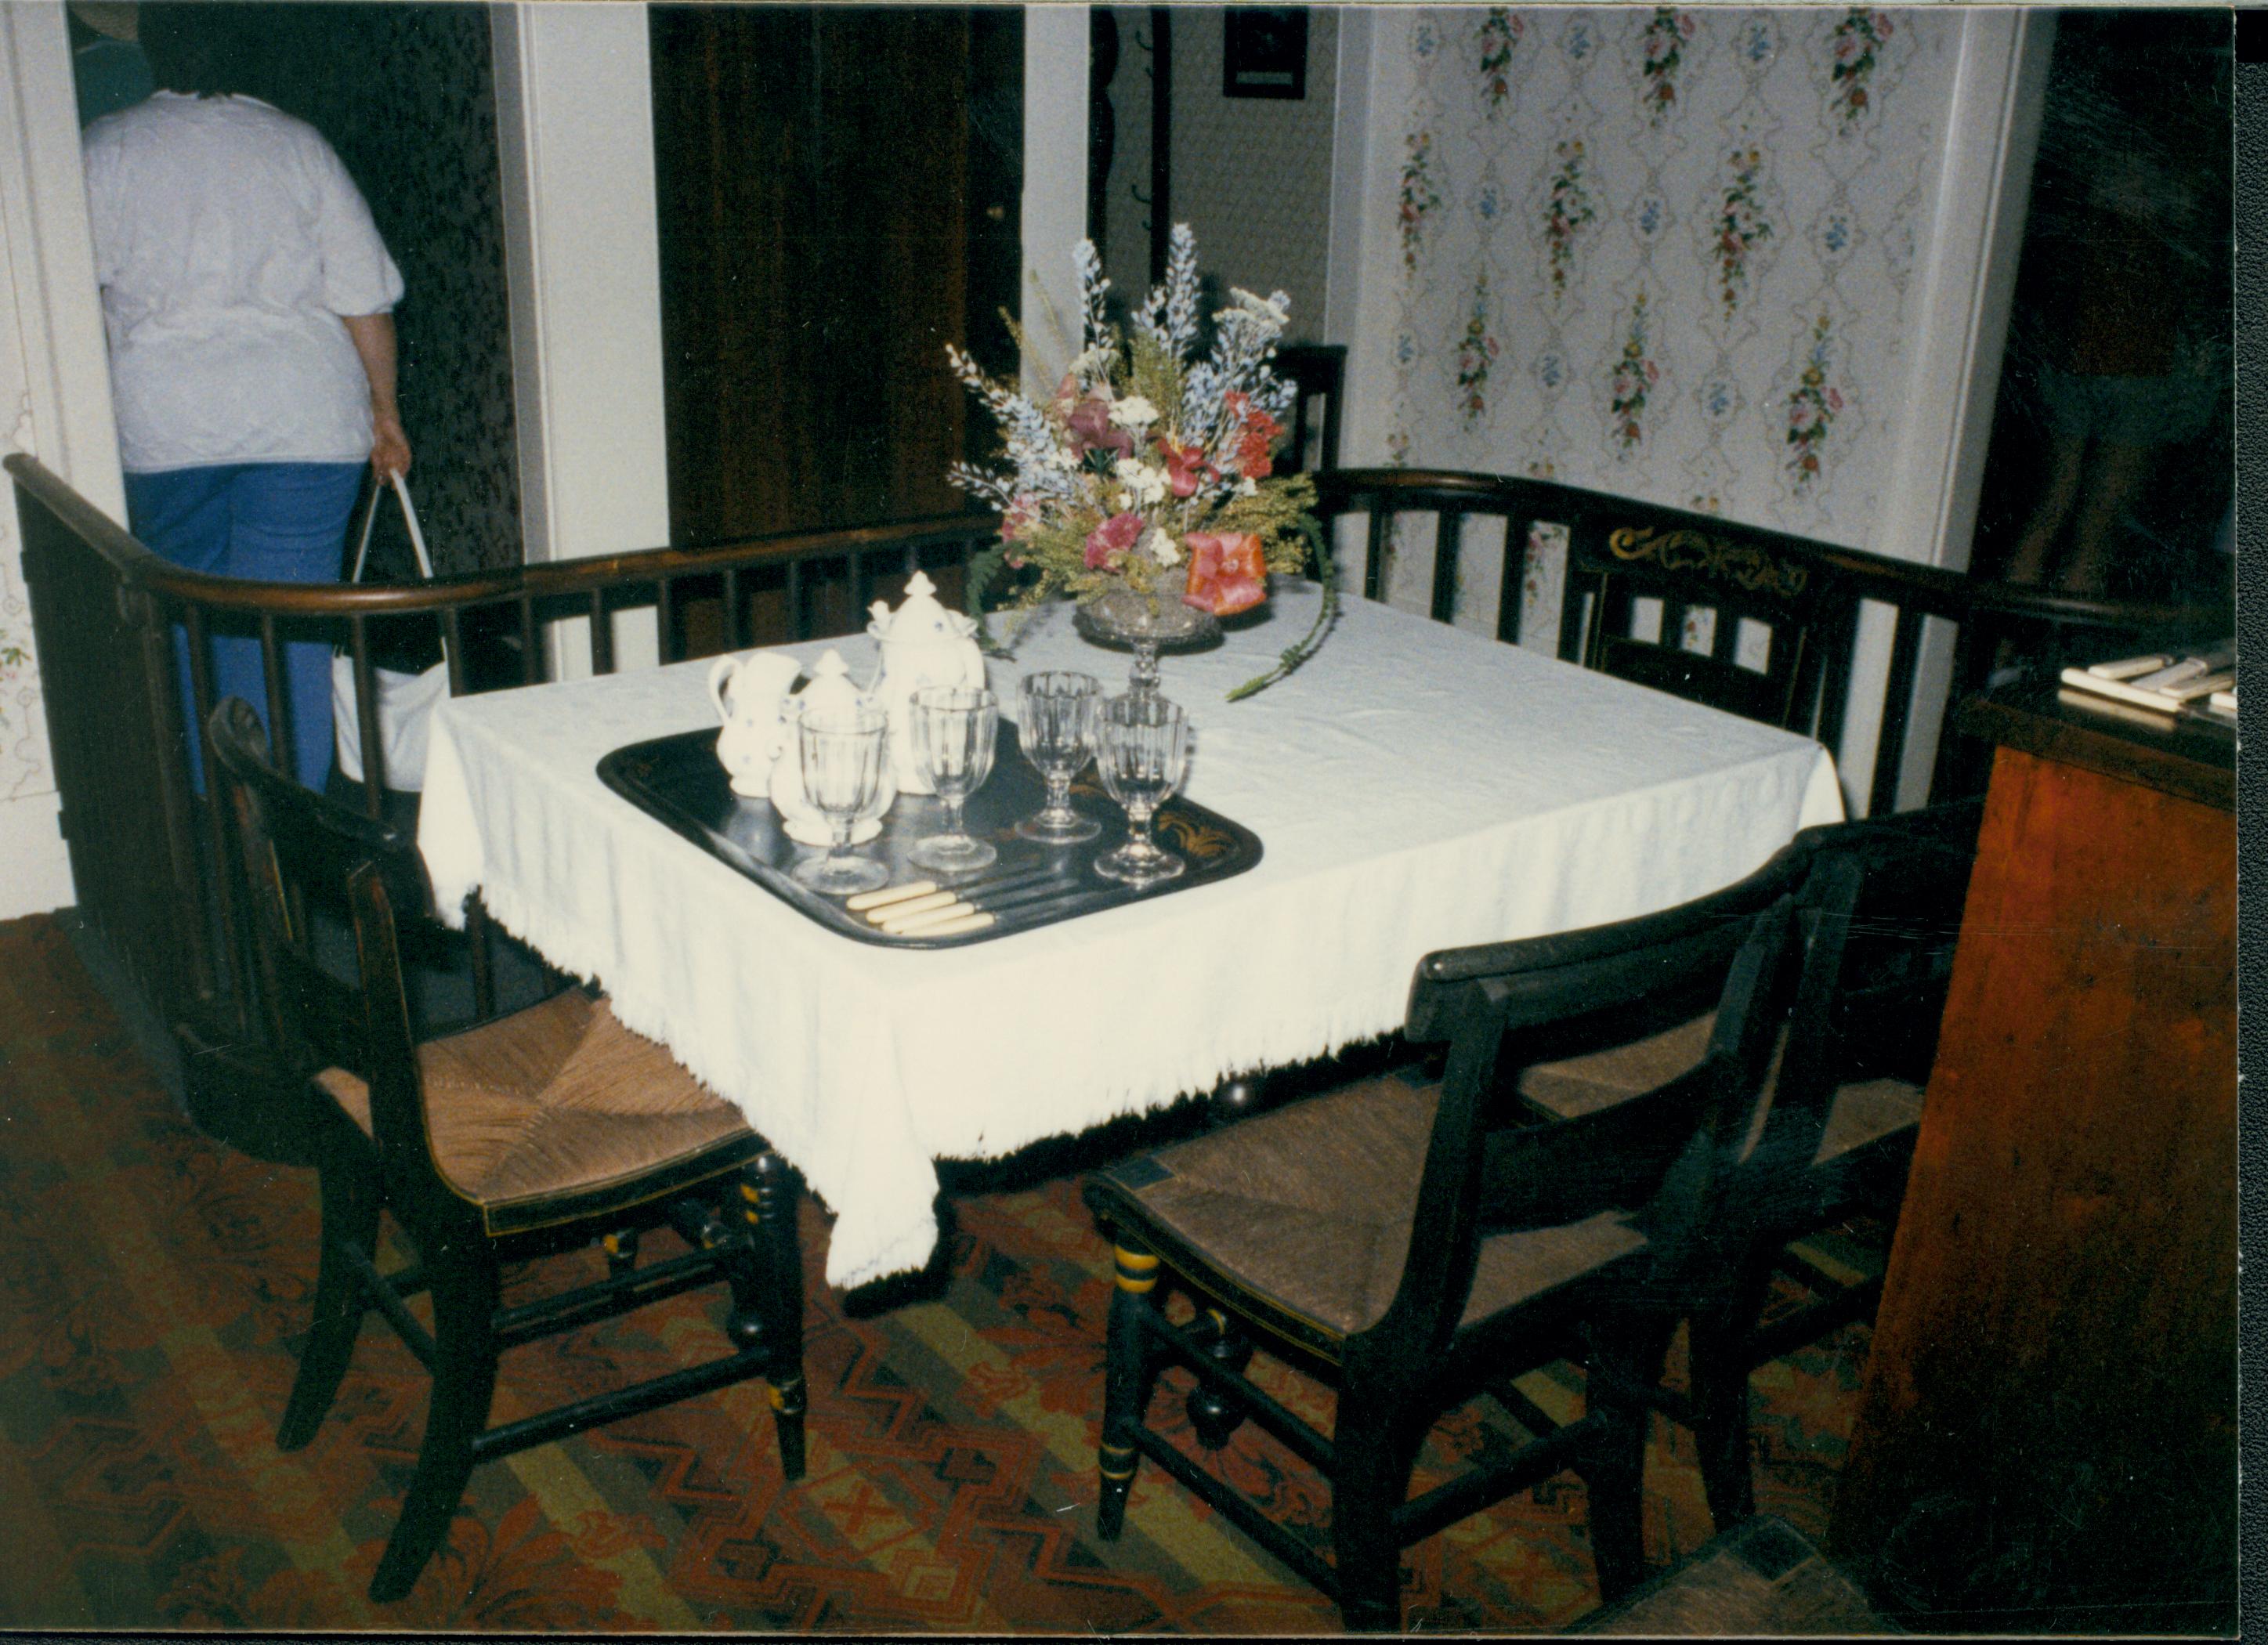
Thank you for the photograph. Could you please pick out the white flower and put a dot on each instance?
(1125, 501)
(1161, 547)
(1133, 412)
(1261, 307)
(1148, 484)
(1061, 458)
(1247, 487)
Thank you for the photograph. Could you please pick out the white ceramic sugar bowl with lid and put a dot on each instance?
(831, 686)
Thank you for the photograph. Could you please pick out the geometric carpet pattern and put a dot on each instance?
(155, 1285)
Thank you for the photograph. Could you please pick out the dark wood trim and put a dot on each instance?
(1940, 592)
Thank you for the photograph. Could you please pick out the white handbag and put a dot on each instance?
(405, 700)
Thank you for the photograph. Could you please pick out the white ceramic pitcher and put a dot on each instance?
(749, 692)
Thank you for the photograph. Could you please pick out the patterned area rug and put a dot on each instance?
(154, 1285)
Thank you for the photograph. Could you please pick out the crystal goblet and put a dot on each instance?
(954, 729)
(1053, 725)
(842, 750)
(1142, 752)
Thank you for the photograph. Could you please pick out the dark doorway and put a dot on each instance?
(405, 93)
(2111, 465)
(838, 193)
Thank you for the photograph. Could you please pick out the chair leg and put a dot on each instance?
(464, 1378)
(1125, 1382)
(351, 1206)
(1214, 1416)
(773, 1315)
(1614, 1468)
(1374, 1460)
(621, 1249)
(1719, 1339)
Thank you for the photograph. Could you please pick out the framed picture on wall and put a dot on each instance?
(1264, 51)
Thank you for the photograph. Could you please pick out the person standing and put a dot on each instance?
(249, 299)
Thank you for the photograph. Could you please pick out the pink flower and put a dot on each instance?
(1834, 400)
(1091, 431)
(1115, 535)
(1020, 517)
(1186, 468)
(1227, 574)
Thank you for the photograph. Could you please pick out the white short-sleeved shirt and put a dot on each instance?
(228, 240)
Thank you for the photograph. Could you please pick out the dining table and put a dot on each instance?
(1413, 787)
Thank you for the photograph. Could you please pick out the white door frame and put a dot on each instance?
(1961, 331)
(574, 102)
(55, 385)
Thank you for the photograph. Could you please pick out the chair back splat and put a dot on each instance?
(530, 1134)
(301, 854)
(1417, 1243)
(1316, 372)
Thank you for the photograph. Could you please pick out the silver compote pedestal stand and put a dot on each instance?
(1145, 624)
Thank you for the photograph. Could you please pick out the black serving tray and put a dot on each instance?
(678, 780)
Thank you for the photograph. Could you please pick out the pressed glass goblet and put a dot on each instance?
(1052, 724)
(953, 728)
(842, 750)
(1142, 751)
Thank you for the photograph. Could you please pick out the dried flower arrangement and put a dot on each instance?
(1150, 470)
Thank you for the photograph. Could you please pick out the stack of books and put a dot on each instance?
(2203, 684)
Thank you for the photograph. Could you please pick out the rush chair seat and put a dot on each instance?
(548, 1129)
(1878, 912)
(1394, 1239)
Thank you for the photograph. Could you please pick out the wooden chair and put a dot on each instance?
(1316, 372)
(1877, 921)
(1389, 1237)
(1877, 912)
(1386, 494)
(535, 1133)
(1738, 575)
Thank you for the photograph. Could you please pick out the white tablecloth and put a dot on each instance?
(1414, 787)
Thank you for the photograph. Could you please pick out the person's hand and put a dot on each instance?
(389, 447)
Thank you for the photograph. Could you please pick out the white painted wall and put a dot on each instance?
(1055, 187)
(1252, 174)
(54, 405)
(575, 138)
(1983, 189)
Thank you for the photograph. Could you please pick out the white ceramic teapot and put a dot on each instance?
(749, 692)
(830, 687)
(923, 644)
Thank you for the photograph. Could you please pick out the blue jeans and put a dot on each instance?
(280, 522)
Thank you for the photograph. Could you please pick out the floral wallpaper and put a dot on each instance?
(23, 725)
(420, 141)
(1659, 251)
(25, 770)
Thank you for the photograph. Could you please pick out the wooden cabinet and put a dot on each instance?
(2047, 1438)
